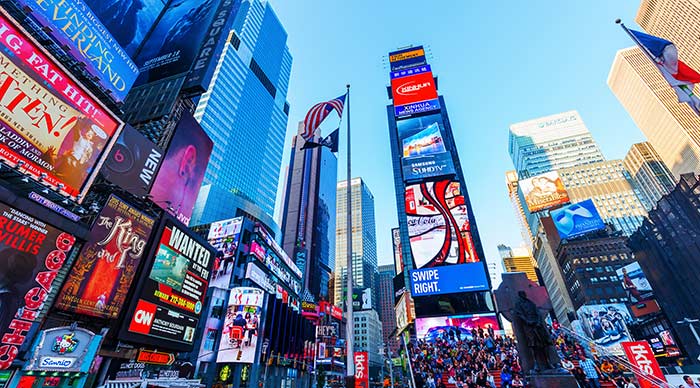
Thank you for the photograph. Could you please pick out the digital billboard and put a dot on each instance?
(224, 236)
(424, 153)
(396, 244)
(430, 329)
(171, 295)
(640, 295)
(606, 325)
(72, 23)
(446, 280)
(408, 57)
(239, 337)
(102, 274)
(133, 161)
(544, 191)
(438, 225)
(31, 255)
(577, 219)
(177, 183)
(415, 93)
(664, 344)
(50, 127)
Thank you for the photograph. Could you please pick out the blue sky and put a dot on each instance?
(497, 63)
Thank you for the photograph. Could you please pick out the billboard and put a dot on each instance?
(50, 127)
(31, 255)
(105, 269)
(430, 329)
(72, 24)
(169, 301)
(239, 338)
(424, 153)
(396, 244)
(438, 225)
(408, 57)
(415, 93)
(361, 299)
(177, 183)
(646, 368)
(577, 219)
(446, 280)
(664, 344)
(133, 161)
(361, 369)
(606, 325)
(224, 236)
(635, 283)
(544, 191)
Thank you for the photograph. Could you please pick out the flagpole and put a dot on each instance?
(634, 38)
(350, 325)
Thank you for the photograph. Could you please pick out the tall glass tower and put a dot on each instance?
(245, 113)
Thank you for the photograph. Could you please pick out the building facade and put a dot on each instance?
(368, 338)
(650, 174)
(387, 314)
(518, 259)
(520, 213)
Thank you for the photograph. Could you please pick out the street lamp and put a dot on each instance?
(692, 329)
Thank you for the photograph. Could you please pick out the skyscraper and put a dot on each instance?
(387, 314)
(512, 186)
(675, 20)
(244, 108)
(653, 179)
(518, 259)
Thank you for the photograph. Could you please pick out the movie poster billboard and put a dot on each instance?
(454, 328)
(31, 255)
(133, 161)
(171, 295)
(438, 225)
(180, 177)
(224, 236)
(239, 338)
(424, 153)
(577, 219)
(606, 325)
(105, 269)
(414, 93)
(50, 128)
(544, 191)
(71, 23)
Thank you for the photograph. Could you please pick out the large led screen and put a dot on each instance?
(50, 127)
(577, 219)
(240, 334)
(454, 328)
(447, 280)
(438, 225)
(224, 236)
(133, 162)
(105, 269)
(31, 255)
(640, 295)
(544, 191)
(424, 153)
(415, 93)
(606, 325)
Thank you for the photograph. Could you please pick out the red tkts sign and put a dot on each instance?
(361, 370)
(642, 357)
(413, 88)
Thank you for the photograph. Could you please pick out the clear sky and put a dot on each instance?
(497, 62)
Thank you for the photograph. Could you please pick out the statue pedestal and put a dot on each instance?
(552, 380)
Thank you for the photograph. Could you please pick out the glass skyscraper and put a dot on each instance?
(245, 114)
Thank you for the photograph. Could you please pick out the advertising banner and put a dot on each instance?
(424, 153)
(64, 349)
(577, 219)
(224, 236)
(664, 344)
(48, 123)
(544, 191)
(259, 277)
(239, 338)
(133, 162)
(31, 255)
(105, 269)
(408, 57)
(411, 71)
(410, 93)
(72, 23)
(647, 370)
(396, 244)
(177, 184)
(446, 280)
(171, 296)
(361, 369)
(454, 328)
(361, 299)
(635, 283)
(606, 324)
(438, 225)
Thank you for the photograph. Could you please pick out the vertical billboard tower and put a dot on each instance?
(442, 255)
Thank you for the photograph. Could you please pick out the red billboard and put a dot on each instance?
(645, 366)
(102, 275)
(361, 370)
(50, 127)
(413, 88)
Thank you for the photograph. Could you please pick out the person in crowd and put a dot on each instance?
(517, 382)
(591, 370)
(607, 369)
(580, 377)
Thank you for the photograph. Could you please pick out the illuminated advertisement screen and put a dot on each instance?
(239, 338)
(49, 124)
(396, 244)
(171, 297)
(544, 191)
(640, 295)
(430, 329)
(31, 255)
(224, 236)
(405, 58)
(606, 324)
(438, 225)
(577, 219)
(105, 269)
(424, 153)
(133, 161)
(447, 280)
(415, 93)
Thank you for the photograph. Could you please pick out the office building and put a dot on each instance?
(518, 259)
(650, 174)
(675, 20)
(520, 213)
(495, 270)
(611, 188)
(364, 239)
(387, 314)
(368, 338)
(245, 111)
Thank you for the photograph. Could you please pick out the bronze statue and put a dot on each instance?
(536, 333)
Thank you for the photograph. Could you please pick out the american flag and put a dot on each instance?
(319, 112)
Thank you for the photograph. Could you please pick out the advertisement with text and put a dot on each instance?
(406, 58)
(577, 219)
(646, 368)
(544, 191)
(133, 162)
(450, 279)
(239, 338)
(412, 92)
(223, 236)
(454, 328)
(424, 153)
(606, 324)
(361, 370)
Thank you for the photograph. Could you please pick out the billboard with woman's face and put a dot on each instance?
(544, 191)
